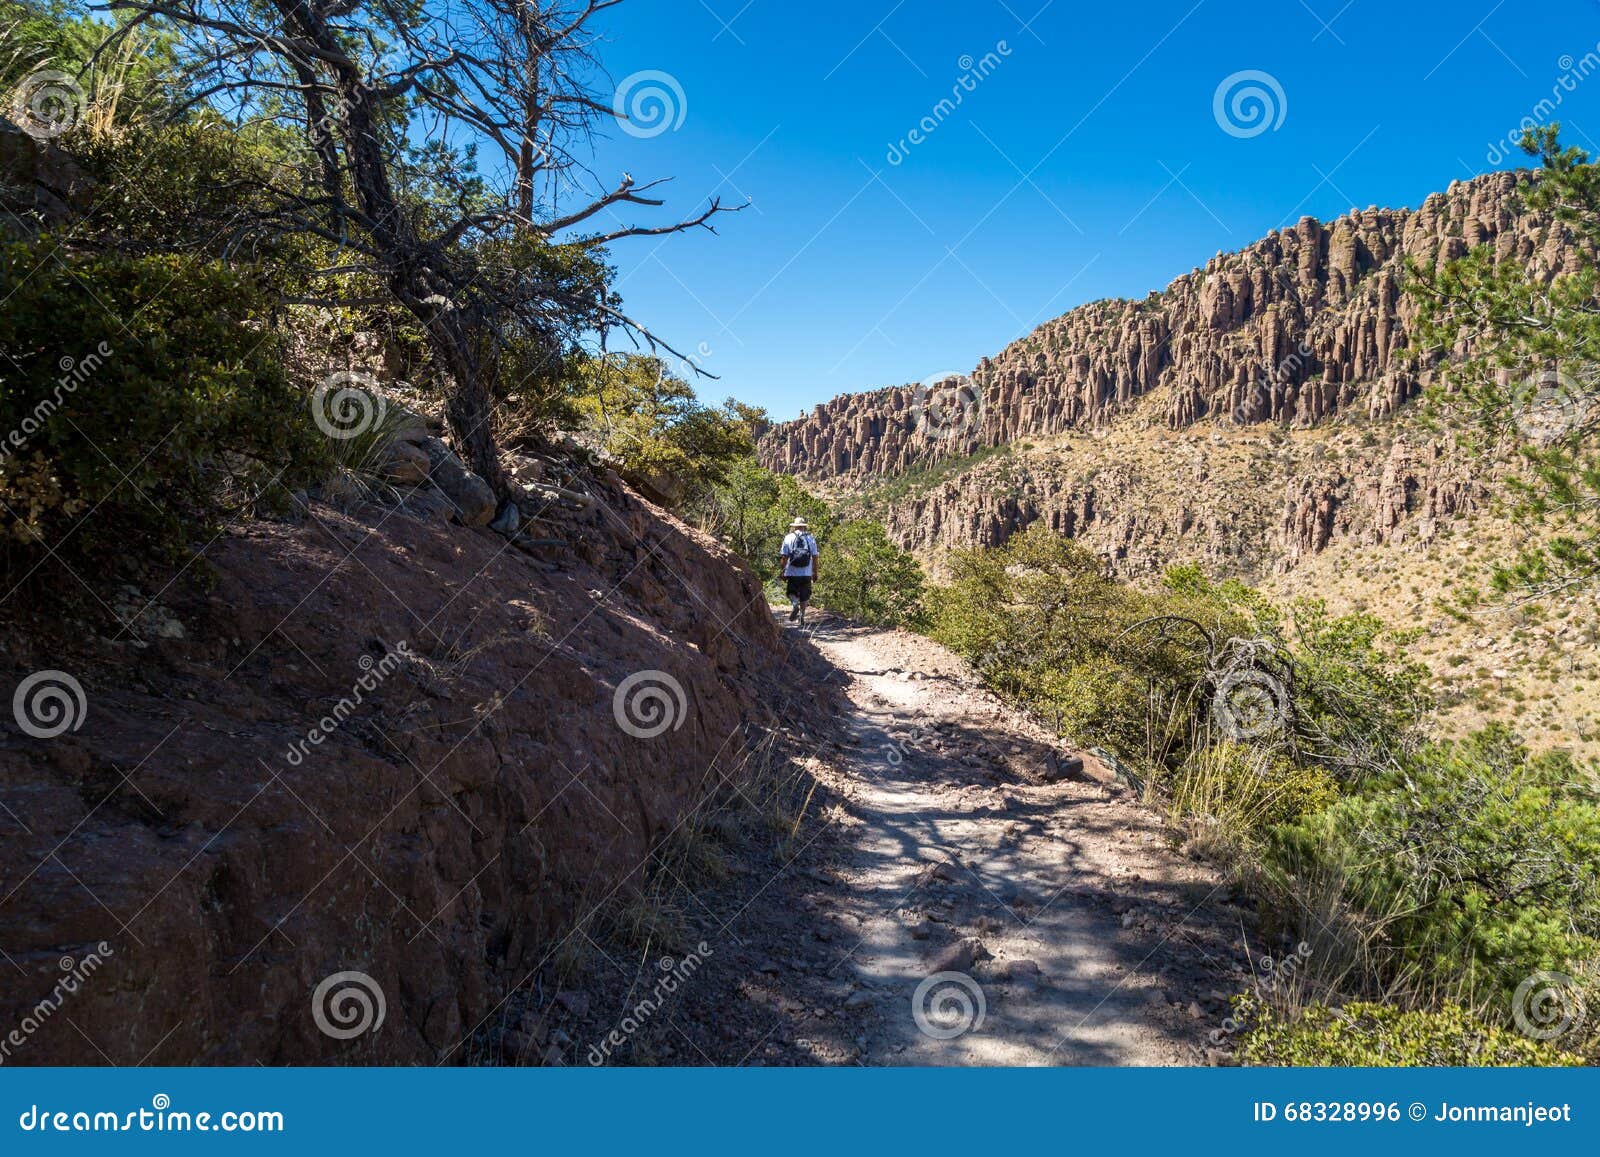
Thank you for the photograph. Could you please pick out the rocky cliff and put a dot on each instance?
(1305, 326)
(373, 741)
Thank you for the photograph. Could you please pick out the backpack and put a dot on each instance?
(800, 557)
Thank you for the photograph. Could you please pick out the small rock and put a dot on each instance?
(1020, 970)
(1064, 767)
(577, 1003)
(960, 956)
(508, 522)
(514, 1045)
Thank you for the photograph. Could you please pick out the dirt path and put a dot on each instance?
(961, 904)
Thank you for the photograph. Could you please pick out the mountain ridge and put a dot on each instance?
(1305, 324)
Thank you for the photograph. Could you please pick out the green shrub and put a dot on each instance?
(866, 577)
(1249, 789)
(1492, 856)
(141, 401)
(1375, 1035)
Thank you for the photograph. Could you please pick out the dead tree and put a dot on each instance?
(389, 97)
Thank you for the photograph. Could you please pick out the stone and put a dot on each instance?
(508, 522)
(960, 956)
(1063, 767)
(411, 429)
(577, 1003)
(471, 496)
(406, 464)
(1017, 970)
(428, 504)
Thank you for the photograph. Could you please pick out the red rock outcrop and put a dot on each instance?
(441, 836)
(1304, 324)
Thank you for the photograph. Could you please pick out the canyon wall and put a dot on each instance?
(1307, 325)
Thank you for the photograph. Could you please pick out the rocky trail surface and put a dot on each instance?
(959, 893)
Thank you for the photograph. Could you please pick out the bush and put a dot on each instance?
(1375, 1035)
(1247, 788)
(141, 401)
(868, 578)
(648, 421)
(1490, 855)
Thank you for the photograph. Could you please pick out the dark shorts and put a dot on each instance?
(799, 588)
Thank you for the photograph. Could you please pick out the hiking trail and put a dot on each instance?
(1056, 921)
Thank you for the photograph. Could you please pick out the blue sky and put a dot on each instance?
(1087, 161)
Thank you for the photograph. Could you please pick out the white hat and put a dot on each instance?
(799, 524)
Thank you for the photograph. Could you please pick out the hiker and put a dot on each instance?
(799, 567)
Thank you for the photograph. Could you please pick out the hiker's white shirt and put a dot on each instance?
(792, 543)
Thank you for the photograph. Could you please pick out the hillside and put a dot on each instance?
(372, 742)
(1256, 417)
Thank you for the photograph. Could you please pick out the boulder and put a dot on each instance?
(472, 497)
(407, 464)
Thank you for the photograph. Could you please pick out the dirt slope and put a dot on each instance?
(368, 742)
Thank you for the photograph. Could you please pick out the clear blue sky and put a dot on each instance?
(1088, 163)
